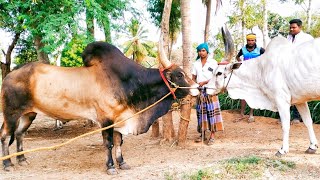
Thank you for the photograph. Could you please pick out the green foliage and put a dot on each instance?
(248, 167)
(217, 43)
(277, 25)
(25, 51)
(202, 174)
(107, 11)
(227, 103)
(71, 55)
(53, 20)
(280, 165)
(11, 19)
(315, 26)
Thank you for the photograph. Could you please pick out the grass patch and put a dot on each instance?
(249, 167)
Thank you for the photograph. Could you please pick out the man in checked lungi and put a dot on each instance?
(208, 107)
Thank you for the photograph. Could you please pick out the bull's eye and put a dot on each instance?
(219, 73)
(180, 75)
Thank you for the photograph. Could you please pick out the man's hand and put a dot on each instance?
(203, 83)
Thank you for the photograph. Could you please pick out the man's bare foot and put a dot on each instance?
(240, 119)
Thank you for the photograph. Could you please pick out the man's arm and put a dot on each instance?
(194, 78)
(239, 55)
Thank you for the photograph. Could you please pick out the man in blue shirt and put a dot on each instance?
(249, 51)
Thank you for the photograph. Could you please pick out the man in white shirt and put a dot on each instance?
(296, 37)
(208, 107)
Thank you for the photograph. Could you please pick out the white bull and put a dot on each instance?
(281, 77)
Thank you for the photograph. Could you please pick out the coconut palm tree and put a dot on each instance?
(136, 47)
(207, 3)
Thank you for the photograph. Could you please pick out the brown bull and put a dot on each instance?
(109, 88)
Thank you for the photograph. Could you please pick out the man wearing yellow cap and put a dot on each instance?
(249, 51)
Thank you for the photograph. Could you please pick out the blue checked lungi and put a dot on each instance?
(208, 113)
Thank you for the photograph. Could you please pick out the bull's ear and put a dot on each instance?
(168, 76)
(235, 65)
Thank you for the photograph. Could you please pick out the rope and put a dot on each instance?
(83, 135)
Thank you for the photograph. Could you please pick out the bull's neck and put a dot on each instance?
(145, 88)
(244, 78)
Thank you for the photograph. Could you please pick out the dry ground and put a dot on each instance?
(85, 158)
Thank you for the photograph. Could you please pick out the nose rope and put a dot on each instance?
(225, 88)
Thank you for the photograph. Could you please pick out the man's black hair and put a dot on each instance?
(297, 21)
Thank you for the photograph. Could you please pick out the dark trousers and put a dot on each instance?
(295, 113)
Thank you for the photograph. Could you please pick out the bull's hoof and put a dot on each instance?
(8, 168)
(124, 166)
(310, 151)
(278, 154)
(251, 119)
(57, 128)
(112, 171)
(23, 162)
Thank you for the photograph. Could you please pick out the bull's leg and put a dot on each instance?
(7, 136)
(306, 117)
(58, 125)
(284, 112)
(117, 139)
(108, 143)
(7, 164)
(24, 124)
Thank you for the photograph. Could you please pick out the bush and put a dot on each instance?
(227, 103)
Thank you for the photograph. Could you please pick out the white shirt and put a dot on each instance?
(204, 73)
(300, 38)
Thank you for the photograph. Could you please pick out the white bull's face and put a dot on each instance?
(221, 77)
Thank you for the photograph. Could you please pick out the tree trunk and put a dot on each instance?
(42, 56)
(242, 21)
(208, 16)
(186, 36)
(165, 31)
(165, 24)
(90, 24)
(155, 129)
(168, 130)
(309, 16)
(184, 120)
(5, 67)
(265, 23)
(107, 30)
(186, 45)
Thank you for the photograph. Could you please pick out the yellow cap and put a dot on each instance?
(251, 37)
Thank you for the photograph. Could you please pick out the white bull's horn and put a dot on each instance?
(228, 44)
(162, 55)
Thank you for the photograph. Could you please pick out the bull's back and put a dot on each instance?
(65, 93)
(303, 75)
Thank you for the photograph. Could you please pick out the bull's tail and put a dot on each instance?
(11, 138)
(12, 133)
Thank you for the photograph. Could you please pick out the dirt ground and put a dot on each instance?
(85, 158)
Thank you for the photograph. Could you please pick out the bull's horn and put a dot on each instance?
(162, 55)
(228, 44)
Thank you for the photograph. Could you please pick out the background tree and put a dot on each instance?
(306, 6)
(136, 47)
(26, 51)
(71, 54)
(155, 7)
(112, 10)
(208, 16)
(186, 63)
(11, 21)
